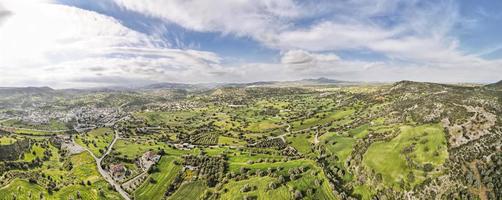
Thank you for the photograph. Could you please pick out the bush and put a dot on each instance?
(428, 167)
(152, 180)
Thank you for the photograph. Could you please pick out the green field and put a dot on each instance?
(307, 181)
(301, 142)
(338, 145)
(387, 158)
(235, 167)
(5, 140)
(96, 140)
(264, 125)
(52, 125)
(36, 152)
(360, 131)
(34, 132)
(233, 189)
(230, 141)
(136, 148)
(190, 190)
(22, 190)
(84, 170)
(154, 191)
(321, 119)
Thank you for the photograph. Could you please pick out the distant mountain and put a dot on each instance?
(323, 80)
(177, 86)
(316, 81)
(186, 86)
(33, 91)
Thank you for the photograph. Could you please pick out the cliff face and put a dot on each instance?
(13, 151)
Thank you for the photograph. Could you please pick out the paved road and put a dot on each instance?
(104, 173)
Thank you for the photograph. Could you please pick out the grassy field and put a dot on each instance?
(264, 125)
(233, 189)
(34, 132)
(235, 167)
(154, 191)
(84, 169)
(22, 190)
(307, 181)
(321, 119)
(5, 140)
(96, 140)
(363, 190)
(360, 131)
(230, 141)
(388, 159)
(52, 125)
(36, 152)
(88, 192)
(244, 157)
(191, 190)
(136, 148)
(170, 118)
(301, 142)
(338, 145)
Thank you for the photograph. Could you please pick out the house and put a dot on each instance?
(118, 171)
(151, 156)
(184, 146)
(189, 167)
(148, 159)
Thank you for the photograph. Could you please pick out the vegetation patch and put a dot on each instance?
(415, 154)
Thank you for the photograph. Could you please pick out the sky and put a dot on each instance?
(99, 43)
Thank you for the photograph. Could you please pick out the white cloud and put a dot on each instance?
(48, 44)
(255, 18)
(416, 32)
(44, 43)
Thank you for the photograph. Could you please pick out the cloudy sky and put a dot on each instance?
(91, 43)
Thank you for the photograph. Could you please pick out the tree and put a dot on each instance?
(281, 179)
(272, 185)
(411, 177)
(298, 194)
(428, 167)
(152, 180)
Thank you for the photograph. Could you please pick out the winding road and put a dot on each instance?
(104, 173)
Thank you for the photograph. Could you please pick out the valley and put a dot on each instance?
(316, 139)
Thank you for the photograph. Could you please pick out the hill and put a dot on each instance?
(11, 91)
(497, 85)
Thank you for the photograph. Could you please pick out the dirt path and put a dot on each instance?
(288, 131)
(482, 189)
(316, 138)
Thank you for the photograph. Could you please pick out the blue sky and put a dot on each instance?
(90, 43)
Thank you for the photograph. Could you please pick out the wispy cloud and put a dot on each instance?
(46, 43)
(415, 34)
(62, 45)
